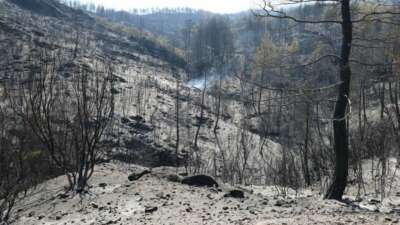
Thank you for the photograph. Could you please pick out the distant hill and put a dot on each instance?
(49, 8)
(168, 23)
(49, 20)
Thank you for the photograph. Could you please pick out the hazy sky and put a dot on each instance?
(220, 6)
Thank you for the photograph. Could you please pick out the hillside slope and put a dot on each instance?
(48, 21)
(49, 8)
(149, 96)
(145, 119)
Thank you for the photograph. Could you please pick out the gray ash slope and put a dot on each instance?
(145, 121)
(35, 27)
(49, 8)
(48, 21)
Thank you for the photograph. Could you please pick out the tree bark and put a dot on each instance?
(307, 176)
(341, 145)
(177, 124)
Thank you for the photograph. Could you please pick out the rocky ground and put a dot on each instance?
(159, 198)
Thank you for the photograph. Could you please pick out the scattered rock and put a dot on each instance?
(284, 203)
(94, 205)
(59, 215)
(112, 221)
(235, 194)
(162, 196)
(125, 120)
(200, 181)
(374, 201)
(63, 195)
(137, 118)
(40, 217)
(278, 203)
(31, 214)
(137, 176)
(150, 209)
(369, 207)
(102, 185)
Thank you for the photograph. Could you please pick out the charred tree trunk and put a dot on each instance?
(199, 124)
(177, 123)
(307, 176)
(216, 127)
(341, 144)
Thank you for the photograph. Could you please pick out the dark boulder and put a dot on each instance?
(137, 118)
(235, 194)
(200, 181)
(374, 202)
(125, 120)
(150, 209)
(103, 185)
(137, 176)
